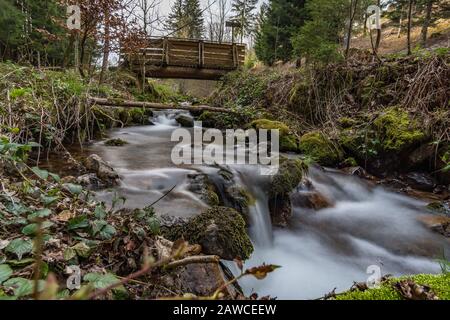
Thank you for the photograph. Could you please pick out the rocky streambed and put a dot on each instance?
(325, 228)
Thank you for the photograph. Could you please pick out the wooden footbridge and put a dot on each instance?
(185, 58)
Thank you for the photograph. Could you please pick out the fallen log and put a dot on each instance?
(153, 105)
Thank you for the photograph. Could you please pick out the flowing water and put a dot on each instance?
(321, 250)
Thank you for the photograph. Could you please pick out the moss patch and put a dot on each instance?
(219, 230)
(316, 145)
(115, 143)
(439, 284)
(397, 130)
(288, 141)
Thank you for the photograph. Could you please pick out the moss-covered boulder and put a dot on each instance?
(220, 231)
(320, 148)
(384, 142)
(398, 130)
(287, 179)
(438, 284)
(288, 141)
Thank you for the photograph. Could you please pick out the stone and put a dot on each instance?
(420, 181)
(90, 181)
(289, 176)
(311, 200)
(200, 184)
(437, 223)
(185, 121)
(219, 230)
(421, 155)
(104, 171)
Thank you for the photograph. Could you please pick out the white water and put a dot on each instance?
(320, 251)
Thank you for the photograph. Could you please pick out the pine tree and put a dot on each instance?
(194, 16)
(282, 20)
(186, 19)
(176, 20)
(244, 13)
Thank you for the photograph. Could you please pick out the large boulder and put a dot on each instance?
(385, 143)
(104, 171)
(282, 184)
(219, 230)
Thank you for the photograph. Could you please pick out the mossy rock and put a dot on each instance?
(288, 141)
(219, 230)
(319, 147)
(392, 132)
(440, 207)
(208, 119)
(115, 143)
(398, 130)
(289, 176)
(439, 284)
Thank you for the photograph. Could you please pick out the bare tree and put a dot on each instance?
(410, 10)
(427, 21)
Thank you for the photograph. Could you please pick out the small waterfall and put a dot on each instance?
(165, 118)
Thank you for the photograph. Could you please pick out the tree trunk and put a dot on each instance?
(106, 47)
(411, 2)
(427, 22)
(152, 105)
(353, 5)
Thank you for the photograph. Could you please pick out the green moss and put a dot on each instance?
(346, 123)
(288, 177)
(116, 143)
(211, 197)
(288, 141)
(229, 241)
(271, 125)
(439, 207)
(439, 284)
(317, 146)
(350, 162)
(397, 130)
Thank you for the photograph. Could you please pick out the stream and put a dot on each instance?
(321, 250)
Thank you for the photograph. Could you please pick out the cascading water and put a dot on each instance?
(333, 247)
(321, 249)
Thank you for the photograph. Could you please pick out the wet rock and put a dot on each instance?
(102, 169)
(421, 155)
(311, 200)
(185, 120)
(440, 207)
(420, 181)
(230, 193)
(437, 223)
(220, 231)
(283, 183)
(200, 279)
(201, 185)
(356, 171)
(115, 143)
(91, 181)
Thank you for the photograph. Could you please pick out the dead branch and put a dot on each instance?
(193, 260)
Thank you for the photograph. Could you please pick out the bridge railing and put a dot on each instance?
(189, 53)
